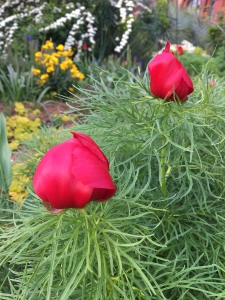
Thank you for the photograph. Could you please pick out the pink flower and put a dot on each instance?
(72, 174)
(212, 83)
(168, 77)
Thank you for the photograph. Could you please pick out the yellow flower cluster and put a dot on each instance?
(19, 126)
(18, 188)
(75, 72)
(48, 45)
(65, 118)
(51, 61)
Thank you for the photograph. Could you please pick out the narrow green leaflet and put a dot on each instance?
(5, 157)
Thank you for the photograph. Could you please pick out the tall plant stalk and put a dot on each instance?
(163, 168)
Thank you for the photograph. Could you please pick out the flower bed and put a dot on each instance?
(161, 235)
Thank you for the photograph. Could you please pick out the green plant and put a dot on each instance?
(141, 244)
(117, 66)
(215, 34)
(198, 50)
(217, 65)
(19, 86)
(12, 84)
(149, 27)
(5, 157)
(194, 63)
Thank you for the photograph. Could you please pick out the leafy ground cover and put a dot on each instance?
(140, 244)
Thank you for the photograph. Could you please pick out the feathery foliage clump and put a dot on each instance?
(162, 235)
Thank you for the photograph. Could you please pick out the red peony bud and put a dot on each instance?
(168, 77)
(85, 47)
(73, 173)
(180, 50)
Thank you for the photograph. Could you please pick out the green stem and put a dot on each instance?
(83, 213)
(163, 168)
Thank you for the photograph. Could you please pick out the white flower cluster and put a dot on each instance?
(83, 30)
(88, 20)
(83, 20)
(38, 12)
(7, 4)
(20, 6)
(75, 14)
(127, 17)
(9, 25)
(7, 29)
(187, 46)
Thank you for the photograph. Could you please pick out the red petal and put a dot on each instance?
(88, 142)
(183, 89)
(167, 47)
(102, 194)
(90, 170)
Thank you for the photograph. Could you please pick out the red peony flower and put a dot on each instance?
(73, 173)
(168, 77)
(180, 50)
